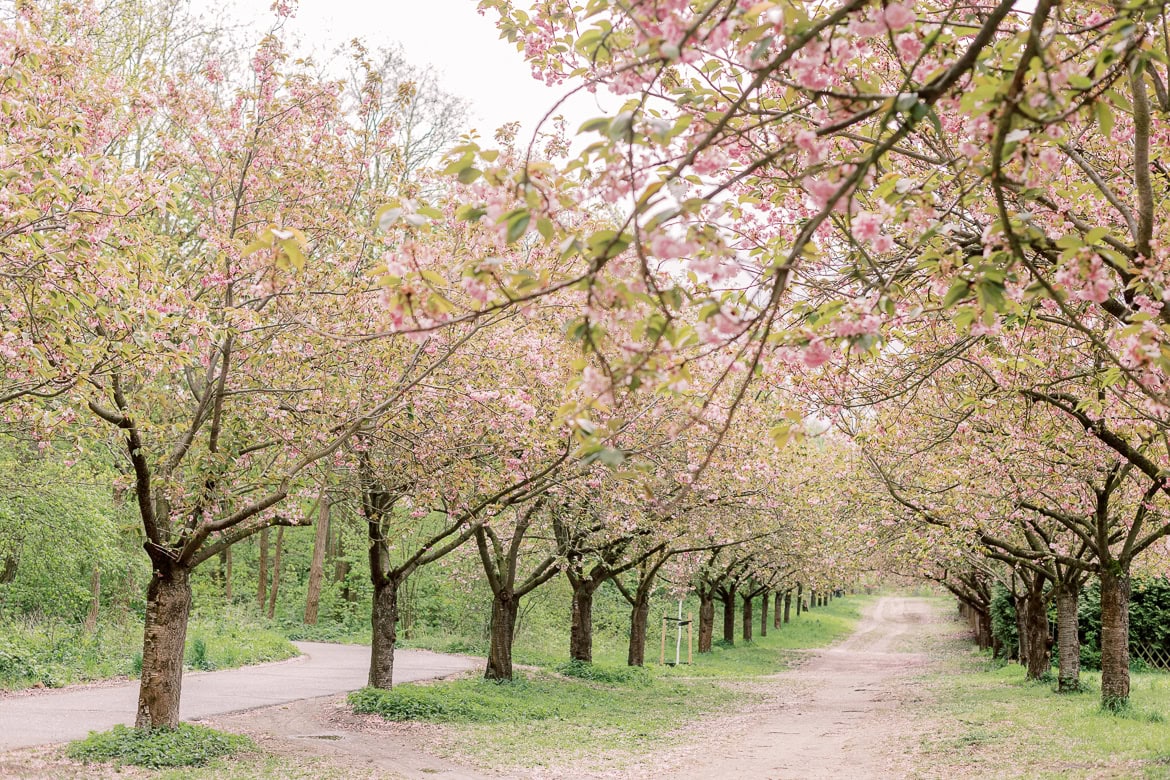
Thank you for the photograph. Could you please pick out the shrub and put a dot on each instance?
(187, 745)
(607, 675)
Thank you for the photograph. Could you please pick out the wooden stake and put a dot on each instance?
(662, 651)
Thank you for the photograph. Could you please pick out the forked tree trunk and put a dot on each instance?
(639, 624)
(275, 573)
(317, 566)
(1115, 590)
(1068, 641)
(383, 621)
(729, 618)
(706, 622)
(581, 628)
(764, 599)
(747, 618)
(1034, 639)
(168, 606)
(787, 604)
(505, 607)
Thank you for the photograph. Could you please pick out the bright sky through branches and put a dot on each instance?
(462, 45)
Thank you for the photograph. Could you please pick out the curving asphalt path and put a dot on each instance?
(322, 670)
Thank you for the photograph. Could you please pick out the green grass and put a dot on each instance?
(568, 712)
(51, 653)
(187, 745)
(996, 724)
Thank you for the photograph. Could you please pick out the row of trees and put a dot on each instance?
(194, 274)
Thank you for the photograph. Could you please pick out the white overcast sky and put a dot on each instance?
(451, 35)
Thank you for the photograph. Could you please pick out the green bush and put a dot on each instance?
(1003, 621)
(187, 745)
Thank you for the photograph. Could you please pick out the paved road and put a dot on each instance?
(323, 670)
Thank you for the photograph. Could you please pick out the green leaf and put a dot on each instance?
(958, 291)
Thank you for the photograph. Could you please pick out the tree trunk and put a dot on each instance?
(639, 624)
(317, 566)
(581, 628)
(765, 597)
(787, 604)
(706, 622)
(747, 618)
(227, 574)
(275, 573)
(262, 578)
(812, 599)
(95, 599)
(8, 571)
(799, 599)
(383, 620)
(983, 629)
(1021, 632)
(168, 605)
(1038, 655)
(729, 619)
(1115, 588)
(505, 607)
(777, 609)
(1068, 641)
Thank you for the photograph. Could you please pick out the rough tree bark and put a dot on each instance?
(765, 597)
(384, 621)
(1034, 641)
(262, 579)
(1068, 642)
(581, 627)
(747, 617)
(728, 598)
(639, 624)
(505, 607)
(168, 605)
(787, 604)
(275, 573)
(1115, 592)
(317, 565)
(777, 609)
(706, 621)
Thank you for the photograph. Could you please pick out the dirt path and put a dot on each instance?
(322, 670)
(837, 716)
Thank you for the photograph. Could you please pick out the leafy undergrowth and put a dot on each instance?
(997, 724)
(52, 654)
(187, 745)
(565, 712)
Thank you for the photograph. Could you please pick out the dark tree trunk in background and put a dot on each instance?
(747, 618)
(168, 606)
(639, 625)
(799, 598)
(581, 627)
(262, 579)
(275, 573)
(1034, 623)
(225, 563)
(505, 607)
(1115, 592)
(706, 622)
(787, 604)
(384, 621)
(317, 565)
(1068, 641)
(729, 618)
(765, 597)
(777, 608)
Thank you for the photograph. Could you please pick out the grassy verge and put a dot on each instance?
(50, 653)
(563, 713)
(187, 745)
(989, 722)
